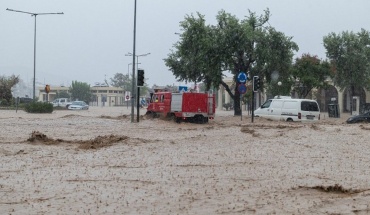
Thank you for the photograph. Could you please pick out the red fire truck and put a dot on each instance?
(186, 106)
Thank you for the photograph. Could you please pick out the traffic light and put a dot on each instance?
(47, 88)
(140, 78)
(256, 83)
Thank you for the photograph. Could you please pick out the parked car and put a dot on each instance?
(78, 105)
(359, 118)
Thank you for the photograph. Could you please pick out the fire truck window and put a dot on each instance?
(162, 98)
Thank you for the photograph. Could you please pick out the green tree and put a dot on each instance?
(125, 82)
(309, 72)
(121, 80)
(284, 89)
(191, 60)
(80, 91)
(204, 52)
(350, 55)
(6, 83)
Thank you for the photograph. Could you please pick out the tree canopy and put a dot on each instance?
(349, 53)
(309, 72)
(204, 52)
(121, 80)
(80, 91)
(6, 83)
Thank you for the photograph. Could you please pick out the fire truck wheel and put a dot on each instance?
(178, 119)
(205, 120)
(171, 117)
(199, 119)
(150, 115)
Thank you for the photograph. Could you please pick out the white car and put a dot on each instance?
(78, 105)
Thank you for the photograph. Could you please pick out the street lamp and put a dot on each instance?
(279, 84)
(133, 65)
(128, 67)
(134, 83)
(34, 43)
(137, 58)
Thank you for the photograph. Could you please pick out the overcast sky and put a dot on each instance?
(89, 42)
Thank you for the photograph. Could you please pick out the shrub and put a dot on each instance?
(38, 107)
(228, 106)
(4, 102)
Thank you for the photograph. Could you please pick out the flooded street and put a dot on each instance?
(98, 162)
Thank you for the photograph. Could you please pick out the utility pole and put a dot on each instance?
(34, 44)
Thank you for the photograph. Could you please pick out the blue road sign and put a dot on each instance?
(183, 88)
(242, 88)
(242, 77)
(143, 102)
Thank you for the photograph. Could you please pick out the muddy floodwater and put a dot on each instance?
(97, 162)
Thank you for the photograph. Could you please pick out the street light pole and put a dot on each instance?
(137, 88)
(279, 86)
(34, 44)
(128, 67)
(133, 68)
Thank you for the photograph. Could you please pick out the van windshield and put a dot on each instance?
(309, 106)
(266, 104)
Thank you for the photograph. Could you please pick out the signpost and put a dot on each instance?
(242, 77)
(143, 102)
(127, 97)
(183, 89)
(242, 88)
(47, 90)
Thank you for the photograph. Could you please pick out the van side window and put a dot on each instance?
(309, 106)
(266, 104)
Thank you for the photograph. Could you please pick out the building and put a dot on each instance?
(103, 95)
(325, 98)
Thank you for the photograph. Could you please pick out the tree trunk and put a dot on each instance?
(237, 109)
(351, 98)
(236, 98)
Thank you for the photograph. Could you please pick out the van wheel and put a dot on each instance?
(289, 120)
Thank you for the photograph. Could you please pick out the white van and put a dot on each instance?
(289, 110)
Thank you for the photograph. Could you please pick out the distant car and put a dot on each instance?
(359, 118)
(78, 105)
